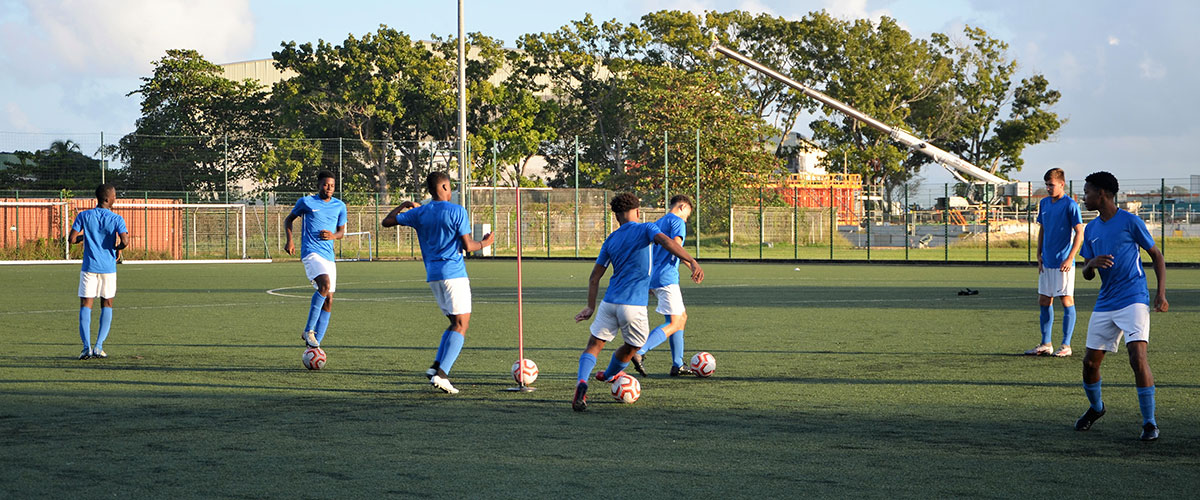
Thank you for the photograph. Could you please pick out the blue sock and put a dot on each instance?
(1046, 320)
(85, 326)
(614, 366)
(105, 323)
(1093, 395)
(676, 348)
(314, 311)
(322, 325)
(441, 352)
(656, 338)
(1068, 324)
(586, 363)
(454, 343)
(1146, 402)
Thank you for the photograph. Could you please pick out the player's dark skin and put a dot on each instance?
(442, 192)
(626, 351)
(325, 191)
(107, 201)
(1100, 200)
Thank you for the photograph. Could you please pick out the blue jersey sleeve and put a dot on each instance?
(121, 225)
(1085, 250)
(408, 218)
(1041, 210)
(341, 217)
(463, 222)
(650, 231)
(77, 225)
(1076, 217)
(603, 259)
(1139, 233)
(300, 208)
(678, 228)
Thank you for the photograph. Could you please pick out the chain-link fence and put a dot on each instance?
(206, 197)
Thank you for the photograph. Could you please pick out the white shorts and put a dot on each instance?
(453, 296)
(1054, 283)
(92, 285)
(1105, 328)
(629, 320)
(670, 300)
(315, 265)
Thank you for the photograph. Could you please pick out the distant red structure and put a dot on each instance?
(843, 191)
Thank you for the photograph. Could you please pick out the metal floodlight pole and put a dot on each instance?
(955, 165)
(462, 109)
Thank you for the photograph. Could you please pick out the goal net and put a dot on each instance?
(357, 246)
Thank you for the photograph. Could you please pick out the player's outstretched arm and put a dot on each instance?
(1160, 271)
(671, 246)
(593, 290)
(389, 220)
(289, 247)
(470, 245)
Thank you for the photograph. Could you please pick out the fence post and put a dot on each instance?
(17, 197)
(341, 194)
(102, 173)
(987, 224)
(548, 223)
(266, 246)
(576, 197)
(730, 245)
(868, 211)
(946, 222)
(906, 215)
(832, 221)
(795, 226)
(606, 213)
(666, 169)
(762, 232)
(146, 223)
(1162, 219)
(697, 207)
(1029, 223)
(185, 225)
(375, 227)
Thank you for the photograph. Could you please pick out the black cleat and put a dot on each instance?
(1149, 432)
(580, 401)
(86, 353)
(1089, 417)
(637, 364)
(677, 371)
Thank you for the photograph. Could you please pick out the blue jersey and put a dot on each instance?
(319, 216)
(665, 270)
(440, 226)
(1121, 236)
(1058, 220)
(100, 227)
(628, 250)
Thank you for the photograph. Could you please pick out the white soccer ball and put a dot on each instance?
(704, 364)
(313, 358)
(626, 389)
(525, 371)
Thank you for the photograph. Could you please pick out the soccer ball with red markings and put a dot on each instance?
(525, 371)
(626, 389)
(313, 358)
(704, 364)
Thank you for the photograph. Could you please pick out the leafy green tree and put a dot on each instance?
(197, 128)
(60, 166)
(290, 164)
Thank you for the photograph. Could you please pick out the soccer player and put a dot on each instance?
(624, 306)
(444, 232)
(103, 235)
(1111, 243)
(1060, 233)
(324, 221)
(664, 282)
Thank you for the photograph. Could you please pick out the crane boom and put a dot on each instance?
(957, 166)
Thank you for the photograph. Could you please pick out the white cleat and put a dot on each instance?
(430, 373)
(1064, 352)
(99, 354)
(1041, 350)
(443, 384)
(310, 339)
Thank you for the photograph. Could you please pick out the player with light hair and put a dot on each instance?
(1112, 244)
(1060, 233)
(623, 309)
(103, 235)
(324, 221)
(444, 233)
(664, 283)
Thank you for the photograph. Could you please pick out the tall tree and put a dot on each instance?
(62, 165)
(198, 130)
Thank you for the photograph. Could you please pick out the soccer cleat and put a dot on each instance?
(681, 370)
(430, 373)
(86, 353)
(600, 376)
(1041, 350)
(443, 384)
(99, 354)
(580, 401)
(1149, 432)
(637, 364)
(1064, 352)
(1089, 417)
(310, 339)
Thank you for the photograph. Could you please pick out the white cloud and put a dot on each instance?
(854, 9)
(16, 120)
(1112, 40)
(115, 38)
(1152, 69)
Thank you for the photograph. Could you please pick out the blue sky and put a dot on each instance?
(1127, 70)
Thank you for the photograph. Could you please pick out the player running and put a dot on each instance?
(444, 232)
(664, 282)
(103, 235)
(624, 306)
(1111, 243)
(1060, 233)
(324, 221)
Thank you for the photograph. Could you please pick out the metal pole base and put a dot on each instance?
(521, 388)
